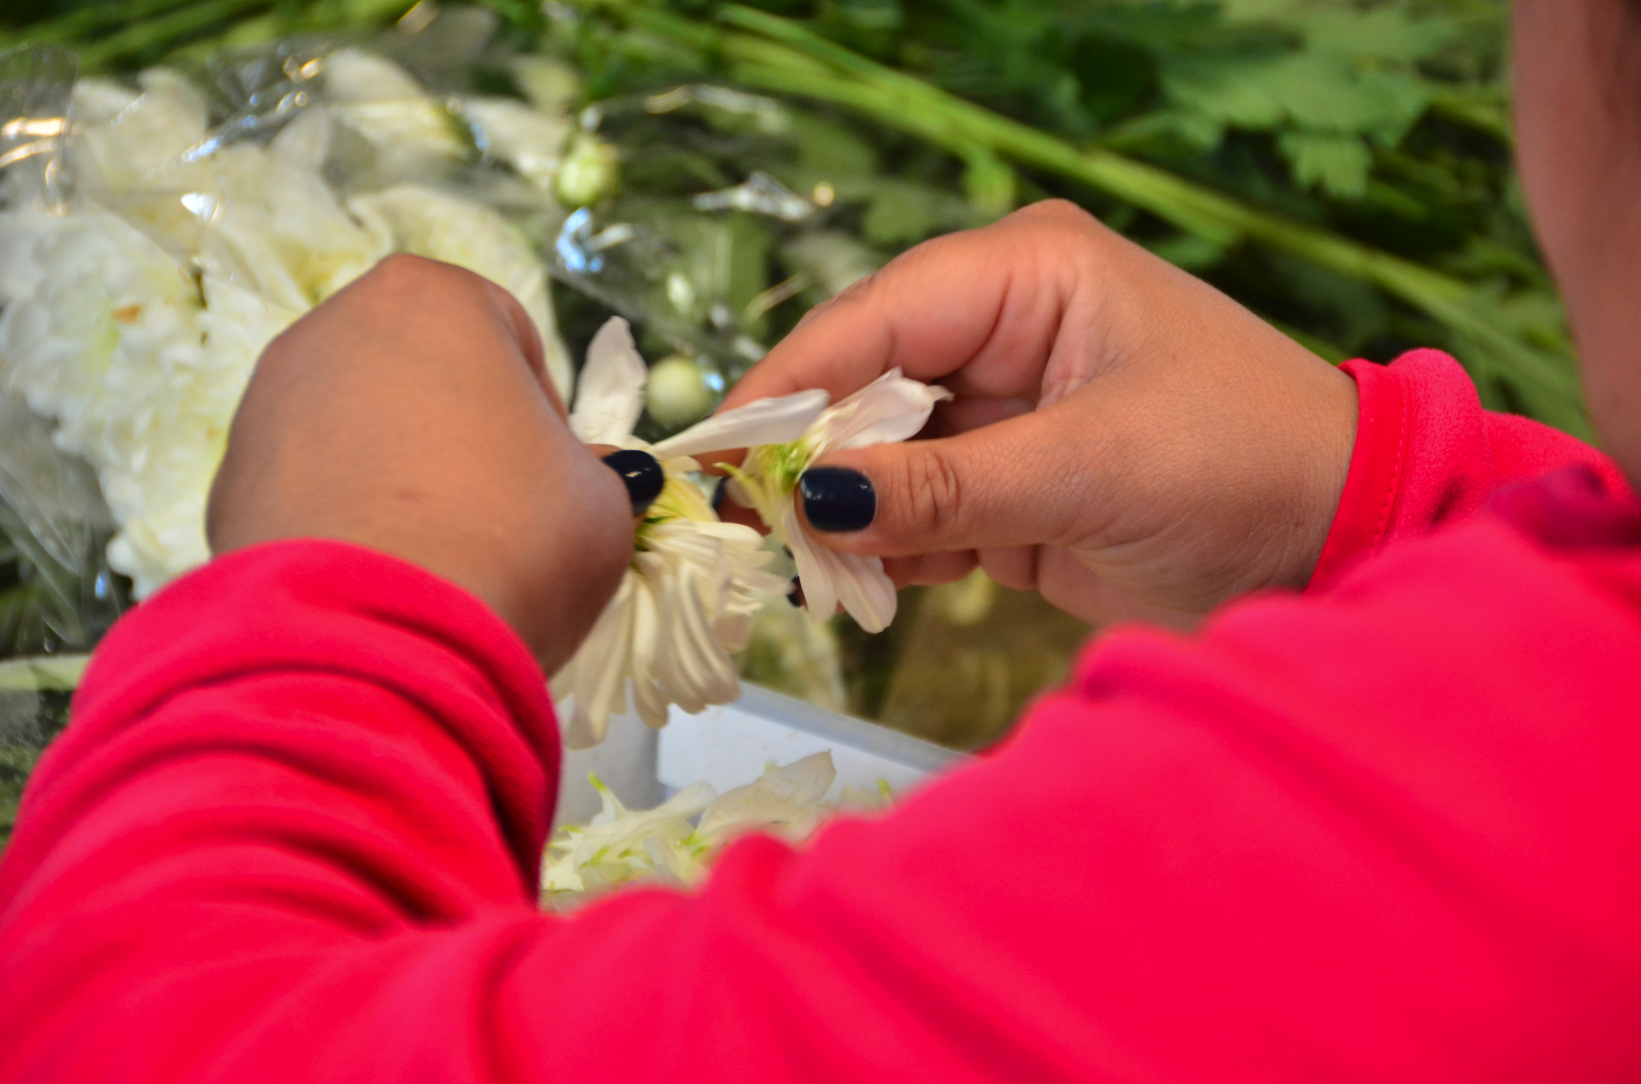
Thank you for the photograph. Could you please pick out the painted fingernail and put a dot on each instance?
(795, 595)
(837, 499)
(641, 474)
(719, 494)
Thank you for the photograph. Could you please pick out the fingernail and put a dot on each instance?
(719, 493)
(795, 594)
(640, 473)
(837, 499)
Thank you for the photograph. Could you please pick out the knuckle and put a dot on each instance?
(931, 490)
(1060, 212)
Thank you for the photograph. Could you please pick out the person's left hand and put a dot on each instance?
(411, 413)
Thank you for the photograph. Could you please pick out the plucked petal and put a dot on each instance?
(781, 797)
(612, 387)
(767, 421)
(891, 408)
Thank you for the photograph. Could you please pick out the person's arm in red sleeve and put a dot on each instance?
(1427, 453)
(1390, 834)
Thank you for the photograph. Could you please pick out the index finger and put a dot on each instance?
(979, 311)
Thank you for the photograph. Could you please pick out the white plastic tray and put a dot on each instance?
(731, 745)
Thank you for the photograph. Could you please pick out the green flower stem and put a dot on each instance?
(779, 55)
(89, 20)
(164, 30)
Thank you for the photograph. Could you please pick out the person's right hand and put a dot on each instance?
(1125, 438)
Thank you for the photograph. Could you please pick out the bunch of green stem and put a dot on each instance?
(774, 54)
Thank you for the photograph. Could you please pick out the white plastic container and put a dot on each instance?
(731, 745)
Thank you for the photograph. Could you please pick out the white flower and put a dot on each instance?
(687, 600)
(891, 408)
(530, 141)
(381, 102)
(107, 342)
(621, 845)
(134, 321)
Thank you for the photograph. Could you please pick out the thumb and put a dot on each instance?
(1020, 482)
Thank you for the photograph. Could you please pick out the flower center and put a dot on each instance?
(781, 464)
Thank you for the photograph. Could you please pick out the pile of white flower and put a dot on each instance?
(676, 842)
(133, 320)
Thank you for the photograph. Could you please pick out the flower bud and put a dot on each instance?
(679, 392)
(587, 172)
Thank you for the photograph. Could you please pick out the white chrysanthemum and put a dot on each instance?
(108, 343)
(121, 139)
(530, 141)
(382, 102)
(891, 408)
(621, 845)
(686, 602)
(134, 322)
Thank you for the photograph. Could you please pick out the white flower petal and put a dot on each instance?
(649, 698)
(304, 143)
(891, 408)
(532, 142)
(599, 686)
(829, 578)
(781, 797)
(612, 387)
(820, 594)
(767, 421)
(865, 590)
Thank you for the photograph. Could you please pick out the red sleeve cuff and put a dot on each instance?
(1377, 462)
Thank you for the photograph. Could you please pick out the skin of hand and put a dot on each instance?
(411, 413)
(1125, 439)
(1577, 103)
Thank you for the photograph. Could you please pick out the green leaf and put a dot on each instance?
(1337, 164)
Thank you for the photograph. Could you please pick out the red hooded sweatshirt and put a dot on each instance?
(1386, 830)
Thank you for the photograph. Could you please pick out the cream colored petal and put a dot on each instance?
(649, 700)
(601, 671)
(696, 671)
(767, 421)
(612, 387)
(820, 595)
(891, 408)
(830, 578)
(305, 142)
(865, 590)
(782, 796)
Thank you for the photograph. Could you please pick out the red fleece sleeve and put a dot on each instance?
(291, 834)
(1426, 452)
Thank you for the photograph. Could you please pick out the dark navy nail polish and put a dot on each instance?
(837, 499)
(719, 494)
(641, 474)
(795, 595)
